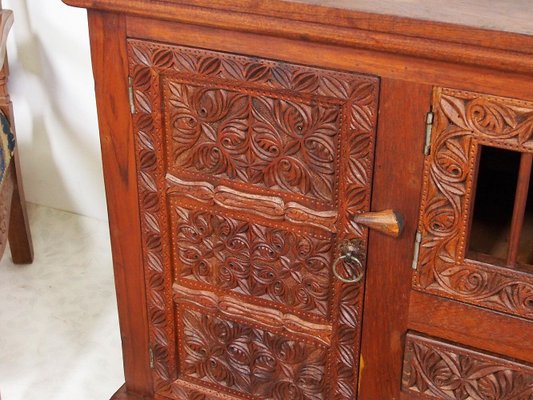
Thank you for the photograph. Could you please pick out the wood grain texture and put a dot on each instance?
(371, 61)
(473, 326)
(464, 122)
(389, 222)
(389, 274)
(6, 195)
(440, 370)
(110, 71)
(338, 24)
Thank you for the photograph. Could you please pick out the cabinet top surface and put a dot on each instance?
(513, 16)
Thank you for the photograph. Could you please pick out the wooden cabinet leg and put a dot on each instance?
(19, 234)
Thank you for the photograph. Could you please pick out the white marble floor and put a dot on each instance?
(59, 336)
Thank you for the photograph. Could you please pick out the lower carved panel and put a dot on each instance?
(249, 361)
(439, 370)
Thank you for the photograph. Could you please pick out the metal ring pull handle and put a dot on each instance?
(351, 252)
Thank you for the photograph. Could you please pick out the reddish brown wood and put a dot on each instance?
(6, 195)
(226, 224)
(389, 272)
(325, 28)
(389, 222)
(396, 65)
(463, 122)
(435, 369)
(269, 152)
(522, 189)
(472, 326)
(111, 75)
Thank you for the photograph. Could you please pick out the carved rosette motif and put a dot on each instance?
(438, 370)
(463, 122)
(254, 260)
(254, 139)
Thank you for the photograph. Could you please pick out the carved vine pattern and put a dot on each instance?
(251, 360)
(437, 370)
(464, 121)
(305, 104)
(254, 260)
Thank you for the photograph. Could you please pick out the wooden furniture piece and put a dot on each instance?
(319, 200)
(14, 225)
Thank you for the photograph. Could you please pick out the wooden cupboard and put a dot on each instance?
(319, 200)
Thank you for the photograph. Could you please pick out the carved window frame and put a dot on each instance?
(465, 121)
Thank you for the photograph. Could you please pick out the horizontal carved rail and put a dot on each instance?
(255, 315)
(271, 207)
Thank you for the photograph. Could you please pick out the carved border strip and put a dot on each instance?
(463, 122)
(439, 370)
(147, 62)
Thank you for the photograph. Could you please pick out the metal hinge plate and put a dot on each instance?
(130, 95)
(151, 355)
(416, 253)
(429, 128)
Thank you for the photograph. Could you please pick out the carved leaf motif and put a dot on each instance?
(441, 371)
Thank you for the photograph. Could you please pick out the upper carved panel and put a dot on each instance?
(463, 122)
(271, 124)
(251, 361)
(274, 143)
(437, 370)
(254, 260)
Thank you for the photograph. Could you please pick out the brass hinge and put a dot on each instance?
(429, 127)
(418, 240)
(130, 94)
(151, 355)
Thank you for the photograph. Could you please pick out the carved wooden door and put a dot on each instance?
(249, 173)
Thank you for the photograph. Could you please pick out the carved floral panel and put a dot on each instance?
(438, 370)
(463, 122)
(251, 361)
(255, 260)
(248, 173)
(254, 138)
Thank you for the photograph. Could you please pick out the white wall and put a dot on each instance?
(55, 113)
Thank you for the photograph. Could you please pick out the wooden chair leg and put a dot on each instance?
(19, 234)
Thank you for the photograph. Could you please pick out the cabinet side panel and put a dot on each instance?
(108, 41)
(397, 182)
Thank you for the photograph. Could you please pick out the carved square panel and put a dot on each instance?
(254, 260)
(464, 122)
(281, 143)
